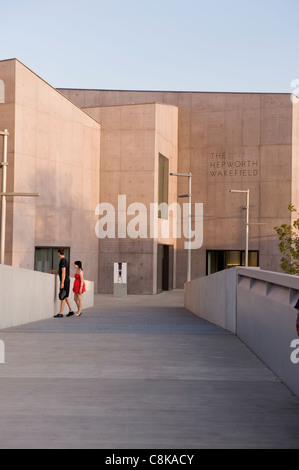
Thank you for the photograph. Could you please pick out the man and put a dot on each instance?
(64, 276)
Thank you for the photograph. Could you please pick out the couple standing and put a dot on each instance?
(79, 285)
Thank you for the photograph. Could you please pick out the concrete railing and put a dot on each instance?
(256, 305)
(27, 296)
(214, 298)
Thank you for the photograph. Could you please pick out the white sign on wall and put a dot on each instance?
(120, 273)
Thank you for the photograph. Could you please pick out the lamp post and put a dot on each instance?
(4, 194)
(189, 176)
(247, 191)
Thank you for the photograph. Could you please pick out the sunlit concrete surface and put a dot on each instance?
(139, 372)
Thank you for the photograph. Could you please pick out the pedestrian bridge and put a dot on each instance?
(257, 306)
(140, 372)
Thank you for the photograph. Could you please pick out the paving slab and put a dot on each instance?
(139, 372)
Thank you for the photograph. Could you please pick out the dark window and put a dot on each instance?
(218, 260)
(163, 186)
(46, 258)
(165, 268)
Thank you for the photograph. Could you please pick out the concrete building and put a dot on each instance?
(54, 150)
(134, 141)
(82, 149)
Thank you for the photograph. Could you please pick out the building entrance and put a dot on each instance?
(165, 268)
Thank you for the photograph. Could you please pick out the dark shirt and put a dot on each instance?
(64, 264)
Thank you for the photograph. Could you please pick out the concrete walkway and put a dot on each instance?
(139, 373)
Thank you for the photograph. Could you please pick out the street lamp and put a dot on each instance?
(4, 194)
(247, 191)
(189, 176)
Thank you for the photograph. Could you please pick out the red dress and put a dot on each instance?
(77, 283)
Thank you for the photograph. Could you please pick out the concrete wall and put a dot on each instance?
(263, 311)
(28, 296)
(214, 298)
(7, 121)
(266, 319)
(53, 149)
(295, 155)
(131, 139)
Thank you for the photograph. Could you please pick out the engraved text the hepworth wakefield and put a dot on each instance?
(220, 165)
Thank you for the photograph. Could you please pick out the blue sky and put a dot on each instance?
(189, 45)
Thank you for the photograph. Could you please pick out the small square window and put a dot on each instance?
(46, 258)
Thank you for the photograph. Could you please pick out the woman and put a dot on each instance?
(79, 287)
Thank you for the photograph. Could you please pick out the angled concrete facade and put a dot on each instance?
(83, 148)
(54, 150)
